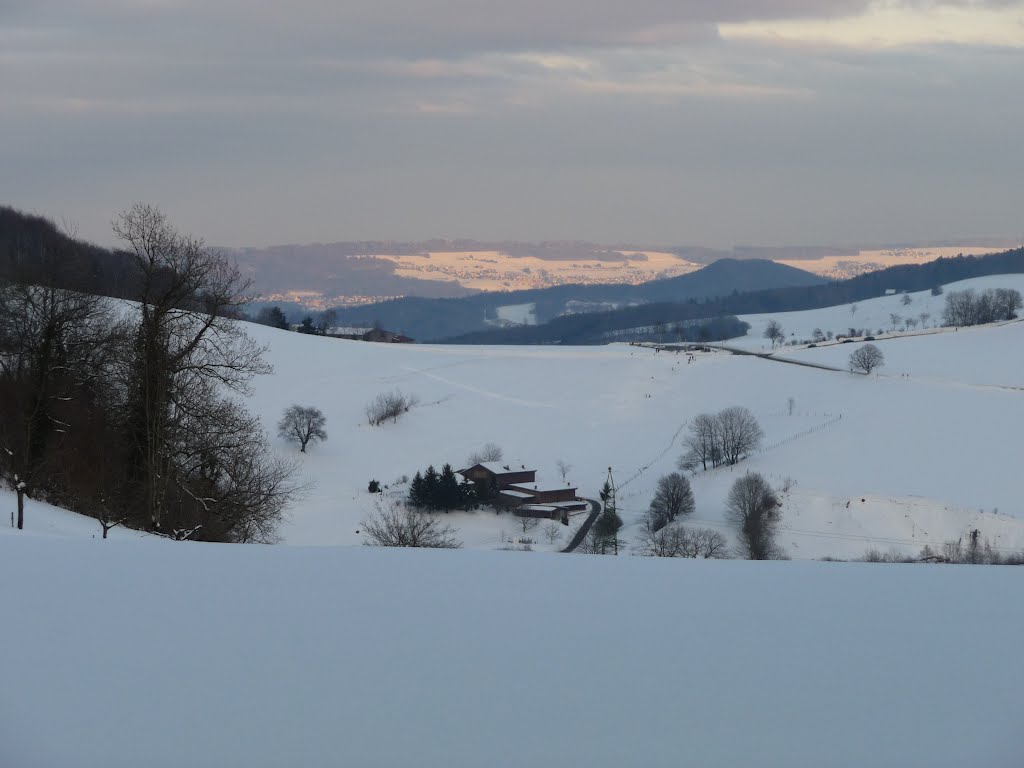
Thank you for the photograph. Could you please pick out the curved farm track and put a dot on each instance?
(581, 533)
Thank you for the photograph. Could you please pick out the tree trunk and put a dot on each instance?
(21, 508)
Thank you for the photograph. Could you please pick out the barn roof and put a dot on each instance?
(501, 467)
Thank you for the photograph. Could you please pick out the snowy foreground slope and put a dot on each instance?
(883, 461)
(131, 653)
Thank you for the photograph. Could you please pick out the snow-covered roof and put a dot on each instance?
(517, 494)
(342, 330)
(539, 507)
(504, 467)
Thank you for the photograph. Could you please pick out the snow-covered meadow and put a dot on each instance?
(121, 654)
(140, 651)
(920, 453)
(887, 461)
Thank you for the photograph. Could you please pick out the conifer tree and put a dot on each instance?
(448, 495)
(416, 496)
(431, 485)
(606, 527)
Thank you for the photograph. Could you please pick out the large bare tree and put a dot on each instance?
(754, 509)
(738, 433)
(866, 358)
(195, 455)
(672, 498)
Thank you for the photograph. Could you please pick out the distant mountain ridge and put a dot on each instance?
(910, 277)
(434, 319)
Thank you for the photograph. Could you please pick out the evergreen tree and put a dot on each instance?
(278, 318)
(307, 326)
(448, 495)
(431, 486)
(467, 494)
(606, 527)
(416, 494)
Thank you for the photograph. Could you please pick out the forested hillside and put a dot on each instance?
(913, 277)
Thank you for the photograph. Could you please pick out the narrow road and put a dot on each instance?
(771, 356)
(595, 510)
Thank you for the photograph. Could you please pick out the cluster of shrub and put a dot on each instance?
(970, 307)
(974, 552)
(389, 405)
(433, 490)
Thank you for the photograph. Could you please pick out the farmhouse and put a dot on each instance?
(368, 334)
(516, 488)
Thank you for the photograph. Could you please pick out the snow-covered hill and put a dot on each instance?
(139, 651)
(123, 654)
(872, 315)
(869, 461)
(921, 453)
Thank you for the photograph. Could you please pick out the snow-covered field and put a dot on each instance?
(887, 461)
(920, 459)
(139, 651)
(873, 314)
(122, 654)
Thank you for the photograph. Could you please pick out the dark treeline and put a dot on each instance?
(125, 412)
(909, 277)
(84, 267)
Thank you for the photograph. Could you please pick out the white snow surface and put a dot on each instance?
(152, 653)
(518, 314)
(872, 314)
(922, 452)
(873, 462)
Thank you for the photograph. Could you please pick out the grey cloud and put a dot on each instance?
(611, 121)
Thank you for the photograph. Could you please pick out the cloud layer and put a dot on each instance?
(658, 121)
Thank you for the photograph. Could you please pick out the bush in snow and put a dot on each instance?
(396, 525)
(389, 405)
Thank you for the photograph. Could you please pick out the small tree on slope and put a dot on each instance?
(302, 425)
(866, 359)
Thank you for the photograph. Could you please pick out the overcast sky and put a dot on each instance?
(705, 122)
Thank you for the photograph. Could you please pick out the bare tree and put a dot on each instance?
(754, 509)
(738, 433)
(663, 542)
(564, 468)
(396, 525)
(680, 541)
(389, 405)
(704, 543)
(528, 523)
(924, 317)
(553, 532)
(673, 498)
(895, 319)
(866, 359)
(774, 333)
(790, 404)
(198, 461)
(701, 443)
(906, 300)
(489, 452)
(302, 424)
(853, 309)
